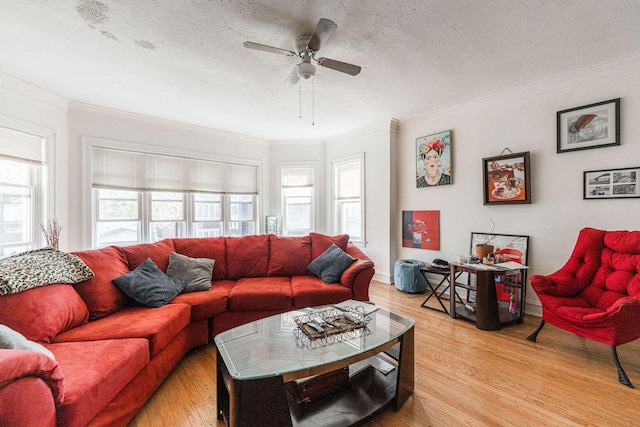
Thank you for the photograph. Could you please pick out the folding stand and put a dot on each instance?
(446, 282)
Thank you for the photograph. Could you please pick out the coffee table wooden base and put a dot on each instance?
(265, 401)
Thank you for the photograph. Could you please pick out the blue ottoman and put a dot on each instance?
(407, 276)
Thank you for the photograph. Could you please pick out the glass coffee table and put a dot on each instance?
(259, 361)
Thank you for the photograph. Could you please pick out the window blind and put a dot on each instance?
(348, 180)
(20, 145)
(130, 170)
(296, 177)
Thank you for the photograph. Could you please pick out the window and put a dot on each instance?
(146, 197)
(348, 197)
(21, 191)
(297, 200)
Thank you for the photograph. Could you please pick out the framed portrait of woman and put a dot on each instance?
(433, 160)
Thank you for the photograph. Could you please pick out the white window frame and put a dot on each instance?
(313, 166)
(91, 202)
(42, 177)
(336, 202)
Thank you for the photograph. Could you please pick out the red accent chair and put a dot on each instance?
(596, 294)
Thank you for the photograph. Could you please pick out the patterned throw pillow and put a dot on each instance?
(40, 267)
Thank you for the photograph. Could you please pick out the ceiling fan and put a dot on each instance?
(307, 47)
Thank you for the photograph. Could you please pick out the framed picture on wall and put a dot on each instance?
(611, 184)
(506, 247)
(433, 160)
(421, 229)
(506, 179)
(591, 126)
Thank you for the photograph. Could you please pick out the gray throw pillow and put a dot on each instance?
(11, 339)
(330, 265)
(196, 272)
(148, 285)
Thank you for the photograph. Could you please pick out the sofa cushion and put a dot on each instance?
(247, 256)
(331, 264)
(95, 372)
(195, 272)
(40, 267)
(157, 325)
(289, 256)
(99, 293)
(149, 286)
(309, 291)
(321, 242)
(10, 339)
(263, 293)
(206, 304)
(42, 313)
(205, 247)
(158, 252)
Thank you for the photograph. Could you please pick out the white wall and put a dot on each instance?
(379, 188)
(30, 109)
(139, 131)
(525, 120)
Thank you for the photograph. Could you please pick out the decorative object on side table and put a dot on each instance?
(433, 160)
(611, 184)
(590, 126)
(273, 225)
(506, 179)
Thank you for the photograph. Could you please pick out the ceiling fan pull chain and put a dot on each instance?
(300, 92)
(313, 102)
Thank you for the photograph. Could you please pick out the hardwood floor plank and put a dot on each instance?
(463, 376)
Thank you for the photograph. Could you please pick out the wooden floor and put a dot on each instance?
(464, 376)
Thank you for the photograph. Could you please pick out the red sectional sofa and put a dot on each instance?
(111, 353)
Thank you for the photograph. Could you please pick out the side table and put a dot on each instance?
(445, 273)
(488, 313)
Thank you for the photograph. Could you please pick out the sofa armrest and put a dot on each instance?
(358, 276)
(17, 364)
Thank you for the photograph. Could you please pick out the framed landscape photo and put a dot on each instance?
(591, 126)
(433, 160)
(506, 179)
(612, 184)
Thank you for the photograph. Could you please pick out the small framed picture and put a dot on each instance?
(591, 126)
(421, 229)
(612, 184)
(433, 160)
(506, 179)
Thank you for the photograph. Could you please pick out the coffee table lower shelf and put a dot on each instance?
(263, 401)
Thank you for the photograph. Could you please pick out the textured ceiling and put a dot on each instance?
(184, 60)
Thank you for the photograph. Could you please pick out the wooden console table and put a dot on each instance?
(486, 310)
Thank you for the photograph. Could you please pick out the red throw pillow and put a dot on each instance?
(99, 293)
(321, 242)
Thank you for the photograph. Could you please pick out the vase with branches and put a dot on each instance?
(52, 233)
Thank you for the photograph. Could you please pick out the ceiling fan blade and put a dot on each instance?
(321, 34)
(294, 76)
(265, 48)
(343, 67)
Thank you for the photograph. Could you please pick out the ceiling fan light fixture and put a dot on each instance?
(306, 70)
